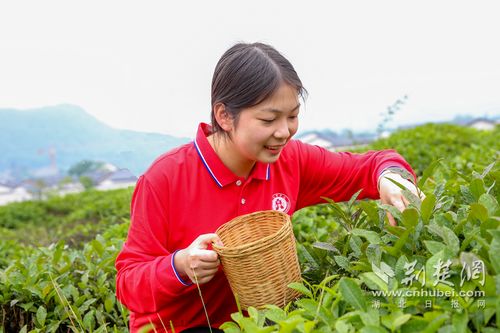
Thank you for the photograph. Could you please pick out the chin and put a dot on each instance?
(269, 159)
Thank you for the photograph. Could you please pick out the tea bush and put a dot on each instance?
(368, 276)
(360, 274)
(56, 288)
(76, 218)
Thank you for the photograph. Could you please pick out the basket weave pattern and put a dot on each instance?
(259, 258)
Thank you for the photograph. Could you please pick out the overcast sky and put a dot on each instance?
(147, 65)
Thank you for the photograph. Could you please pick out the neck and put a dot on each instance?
(224, 148)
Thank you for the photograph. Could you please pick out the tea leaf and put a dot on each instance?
(495, 250)
(326, 246)
(479, 212)
(370, 210)
(373, 329)
(342, 262)
(352, 293)
(354, 197)
(373, 281)
(490, 203)
(41, 314)
(373, 254)
(371, 236)
(427, 207)
(275, 313)
(476, 188)
(433, 246)
(410, 217)
(429, 171)
(301, 288)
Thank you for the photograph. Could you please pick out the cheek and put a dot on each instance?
(261, 137)
(293, 128)
(254, 139)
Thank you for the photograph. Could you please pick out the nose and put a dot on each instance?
(282, 131)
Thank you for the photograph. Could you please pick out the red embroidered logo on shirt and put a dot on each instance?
(280, 202)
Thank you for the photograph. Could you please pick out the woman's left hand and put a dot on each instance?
(392, 194)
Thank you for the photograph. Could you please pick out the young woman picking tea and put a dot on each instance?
(245, 161)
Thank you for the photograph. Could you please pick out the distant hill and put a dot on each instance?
(27, 135)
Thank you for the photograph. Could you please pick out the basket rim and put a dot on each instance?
(250, 249)
(257, 244)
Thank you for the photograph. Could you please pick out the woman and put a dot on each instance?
(244, 162)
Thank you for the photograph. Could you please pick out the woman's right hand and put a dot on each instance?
(196, 262)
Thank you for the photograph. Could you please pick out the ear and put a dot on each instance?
(223, 117)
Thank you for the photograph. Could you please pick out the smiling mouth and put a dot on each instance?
(274, 147)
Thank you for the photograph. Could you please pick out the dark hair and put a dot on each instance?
(246, 75)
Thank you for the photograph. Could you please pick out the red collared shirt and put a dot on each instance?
(189, 191)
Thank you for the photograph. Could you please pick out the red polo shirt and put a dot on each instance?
(189, 191)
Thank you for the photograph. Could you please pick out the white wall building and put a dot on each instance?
(10, 194)
(122, 178)
(483, 124)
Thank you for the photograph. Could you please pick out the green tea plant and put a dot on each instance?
(60, 289)
(75, 218)
(461, 147)
(436, 270)
(354, 262)
(359, 273)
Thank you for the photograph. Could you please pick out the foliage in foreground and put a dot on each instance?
(57, 287)
(350, 258)
(367, 276)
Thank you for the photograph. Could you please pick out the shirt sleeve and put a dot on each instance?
(146, 278)
(338, 175)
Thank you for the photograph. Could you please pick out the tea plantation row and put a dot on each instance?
(438, 270)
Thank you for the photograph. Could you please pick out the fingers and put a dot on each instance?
(392, 221)
(405, 201)
(203, 255)
(399, 203)
(393, 195)
(203, 265)
(203, 273)
(414, 189)
(198, 263)
(219, 243)
(203, 241)
(202, 279)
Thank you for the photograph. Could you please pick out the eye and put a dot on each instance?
(293, 117)
(267, 121)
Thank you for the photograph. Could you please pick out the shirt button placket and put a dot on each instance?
(239, 183)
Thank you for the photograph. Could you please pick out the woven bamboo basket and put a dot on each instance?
(259, 258)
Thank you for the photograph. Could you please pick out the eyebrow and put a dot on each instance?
(276, 110)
